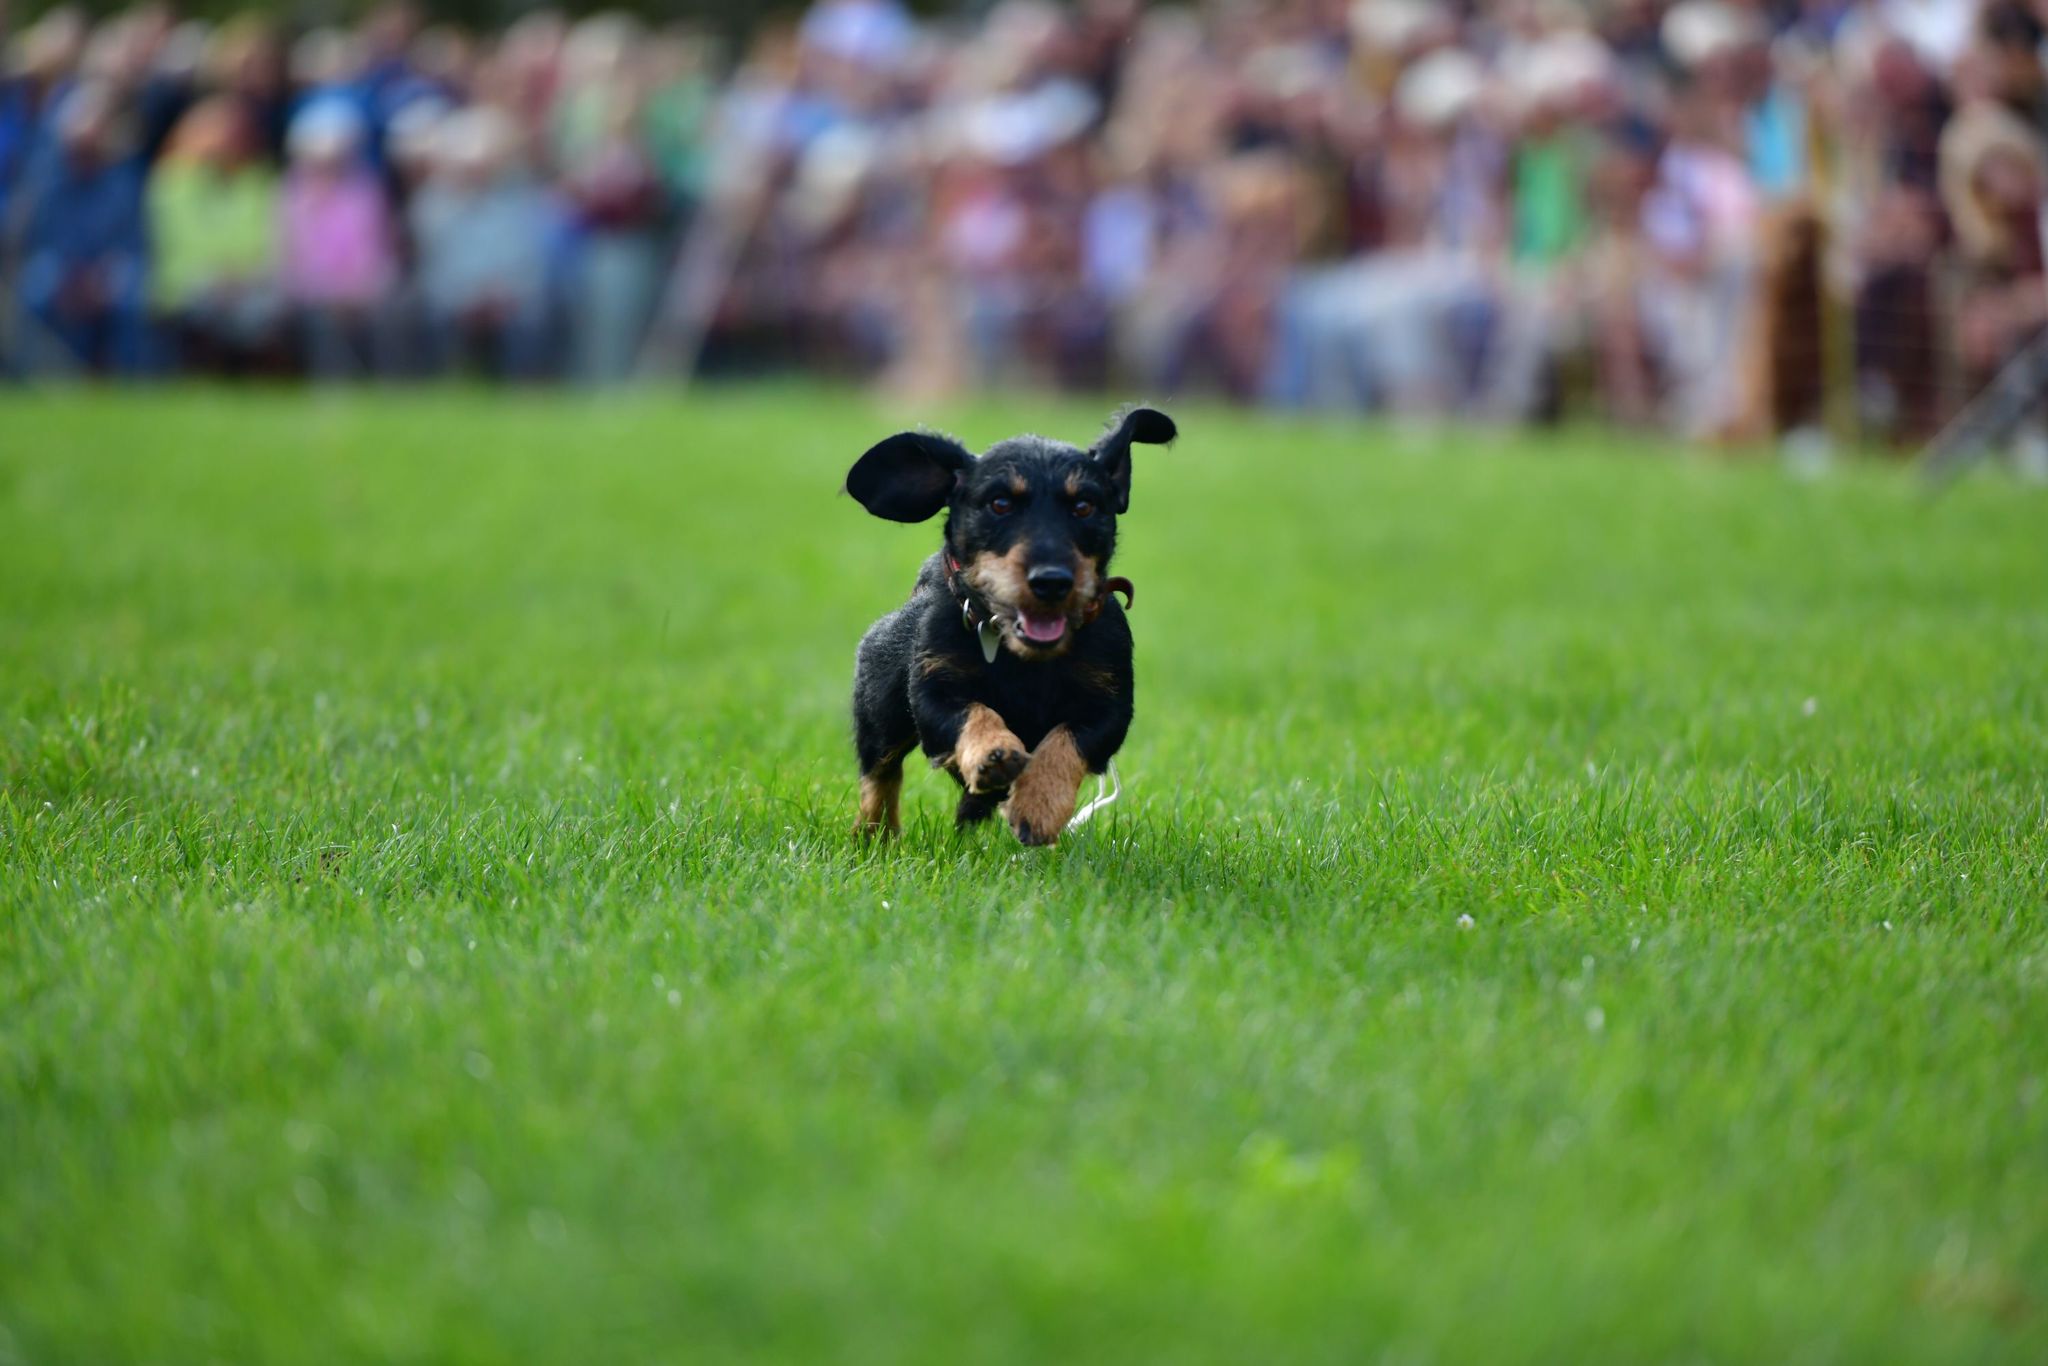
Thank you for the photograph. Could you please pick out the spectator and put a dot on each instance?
(482, 232)
(83, 270)
(1992, 180)
(213, 225)
(339, 269)
(615, 191)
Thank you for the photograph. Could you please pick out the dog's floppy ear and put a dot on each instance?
(1113, 451)
(908, 477)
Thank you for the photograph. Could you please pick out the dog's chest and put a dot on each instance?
(1031, 699)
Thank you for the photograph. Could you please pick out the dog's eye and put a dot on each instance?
(1000, 504)
(1084, 509)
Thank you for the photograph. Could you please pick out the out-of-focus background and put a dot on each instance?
(1719, 219)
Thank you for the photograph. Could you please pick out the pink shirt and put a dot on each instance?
(336, 239)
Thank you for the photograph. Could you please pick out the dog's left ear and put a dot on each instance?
(909, 477)
(1113, 451)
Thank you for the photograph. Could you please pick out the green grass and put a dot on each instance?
(430, 928)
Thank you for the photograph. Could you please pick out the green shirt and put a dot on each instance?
(1550, 205)
(206, 227)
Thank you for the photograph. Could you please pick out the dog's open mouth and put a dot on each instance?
(1041, 629)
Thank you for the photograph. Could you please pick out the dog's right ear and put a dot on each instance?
(908, 477)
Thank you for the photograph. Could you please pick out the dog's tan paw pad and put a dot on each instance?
(999, 768)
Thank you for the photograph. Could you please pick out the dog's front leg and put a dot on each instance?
(966, 738)
(987, 756)
(1042, 801)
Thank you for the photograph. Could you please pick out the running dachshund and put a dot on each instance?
(1011, 663)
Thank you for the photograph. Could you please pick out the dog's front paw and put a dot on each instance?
(1042, 802)
(1036, 831)
(998, 767)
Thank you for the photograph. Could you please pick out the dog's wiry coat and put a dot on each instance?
(1030, 529)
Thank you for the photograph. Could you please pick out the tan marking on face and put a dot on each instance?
(999, 578)
(1087, 579)
(1018, 488)
(1042, 802)
(987, 756)
(1074, 484)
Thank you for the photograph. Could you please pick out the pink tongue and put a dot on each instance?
(1044, 630)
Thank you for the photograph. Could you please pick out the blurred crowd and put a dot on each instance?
(1727, 218)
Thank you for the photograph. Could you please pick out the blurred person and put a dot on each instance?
(433, 72)
(1406, 327)
(2009, 46)
(440, 69)
(677, 113)
(615, 192)
(133, 54)
(412, 145)
(1560, 83)
(1618, 270)
(444, 62)
(337, 249)
(1912, 107)
(481, 229)
(1993, 173)
(41, 64)
(213, 214)
(326, 69)
(1703, 223)
(385, 79)
(1731, 65)
(849, 51)
(1265, 211)
(246, 62)
(1881, 125)
(1012, 236)
(615, 270)
(83, 269)
(1896, 356)
(601, 81)
(522, 73)
(1728, 52)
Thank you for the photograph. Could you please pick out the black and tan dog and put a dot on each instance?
(1011, 663)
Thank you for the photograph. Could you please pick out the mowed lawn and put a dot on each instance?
(1571, 901)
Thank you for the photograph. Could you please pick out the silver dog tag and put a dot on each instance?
(991, 639)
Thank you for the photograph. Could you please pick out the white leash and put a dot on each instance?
(1108, 787)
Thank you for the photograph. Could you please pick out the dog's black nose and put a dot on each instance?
(1050, 582)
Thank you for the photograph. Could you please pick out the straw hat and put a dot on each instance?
(1556, 69)
(1394, 26)
(1440, 89)
(1979, 132)
(1697, 31)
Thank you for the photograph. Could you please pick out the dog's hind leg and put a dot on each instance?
(883, 728)
(881, 790)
